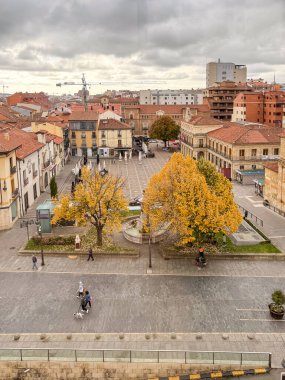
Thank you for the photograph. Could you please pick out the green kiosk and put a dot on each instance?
(45, 214)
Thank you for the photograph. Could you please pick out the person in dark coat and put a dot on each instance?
(90, 254)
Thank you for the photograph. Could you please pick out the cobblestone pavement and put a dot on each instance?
(223, 277)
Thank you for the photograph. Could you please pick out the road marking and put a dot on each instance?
(252, 309)
(198, 274)
(262, 320)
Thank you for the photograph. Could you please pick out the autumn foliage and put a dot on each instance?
(98, 200)
(165, 129)
(195, 199)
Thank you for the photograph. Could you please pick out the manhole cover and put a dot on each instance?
(12, 247)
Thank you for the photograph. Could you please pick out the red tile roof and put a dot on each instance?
(205, 120)
(58, 140)
(272, 166)
(7, 143)
(84, 116)
(26, 141)
(112, 124)
(168, 109)
(241, 134)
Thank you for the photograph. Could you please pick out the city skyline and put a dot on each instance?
(136, 41)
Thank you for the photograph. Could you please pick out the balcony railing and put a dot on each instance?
(26, 181)
(46, 164)
(228, 358)
(35, 173)
(15, 193)
(13, 170)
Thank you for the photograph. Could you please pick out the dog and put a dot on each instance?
(78, 315)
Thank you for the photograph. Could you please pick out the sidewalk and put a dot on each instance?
(239, 342)
(11, 241)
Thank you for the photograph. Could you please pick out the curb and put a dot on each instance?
(231, 256)
(216, 375)
(79, 254)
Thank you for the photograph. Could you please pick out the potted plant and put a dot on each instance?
(276, 307)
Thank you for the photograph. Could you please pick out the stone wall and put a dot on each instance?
(86, 371)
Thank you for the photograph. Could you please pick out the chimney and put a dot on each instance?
(6, 136)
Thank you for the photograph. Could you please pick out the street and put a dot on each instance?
(45, 302)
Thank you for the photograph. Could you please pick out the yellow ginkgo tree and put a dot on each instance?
(98, 200)
(180, 197)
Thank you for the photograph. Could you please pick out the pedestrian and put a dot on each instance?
(83, 305)
(88, 298)
(34, 260)
(90, 254)
(80, 290)
(156, 146)
(97, 159)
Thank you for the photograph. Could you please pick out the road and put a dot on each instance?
(45, 302)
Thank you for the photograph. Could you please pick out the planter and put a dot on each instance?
(276, 314)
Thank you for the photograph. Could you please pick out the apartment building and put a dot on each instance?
(171, 97)
(114, 137)
(223, 71)
(231, 147)
(9, 188)
(240, 147)
(193, 135)
(140, 118)
(266, 108)
(220, 98)
(82, 133)
(274, 181)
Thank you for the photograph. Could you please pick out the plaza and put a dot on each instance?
(228, 298)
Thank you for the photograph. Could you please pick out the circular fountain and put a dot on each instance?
(133, 230)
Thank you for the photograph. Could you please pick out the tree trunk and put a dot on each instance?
(165, 141)
(99, 236)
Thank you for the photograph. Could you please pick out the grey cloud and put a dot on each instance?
(159, 35)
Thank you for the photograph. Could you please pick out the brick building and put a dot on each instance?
(141, 117)
(267, 108)
(27, 97)
(220, 98)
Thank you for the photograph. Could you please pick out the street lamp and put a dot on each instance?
(149, 245)
(26, 223)
(42, 251)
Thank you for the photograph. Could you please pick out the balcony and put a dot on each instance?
(35, 173)
(46, 164)
(13, 170)
(26, 181)
(15, 193)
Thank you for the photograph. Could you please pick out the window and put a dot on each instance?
(83, 135)
(201, 143)
(131, 116)
(119, 142)
(241, 167)
(186, 98)
(119, 133)
(93, 135)
(265, 152)
(276, 151)
(253, 167)
(103, 135)
(24, 174)
(103, 142)
(241, 153)
(73, 135)
(11, 162)
(35, 191)
(253, 152)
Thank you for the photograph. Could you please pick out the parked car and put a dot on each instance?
(136, 201)
(153, 141)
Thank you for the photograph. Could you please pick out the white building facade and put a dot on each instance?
(171, 97)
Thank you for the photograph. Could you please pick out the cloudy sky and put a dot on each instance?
(169, 41)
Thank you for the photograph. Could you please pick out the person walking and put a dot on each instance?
(34, 260)
(80, 290)
(83, 305)
(90, 254)
(88, 298)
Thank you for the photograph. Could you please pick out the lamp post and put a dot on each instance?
(26, 223)
(149, 246)
(42, 251)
